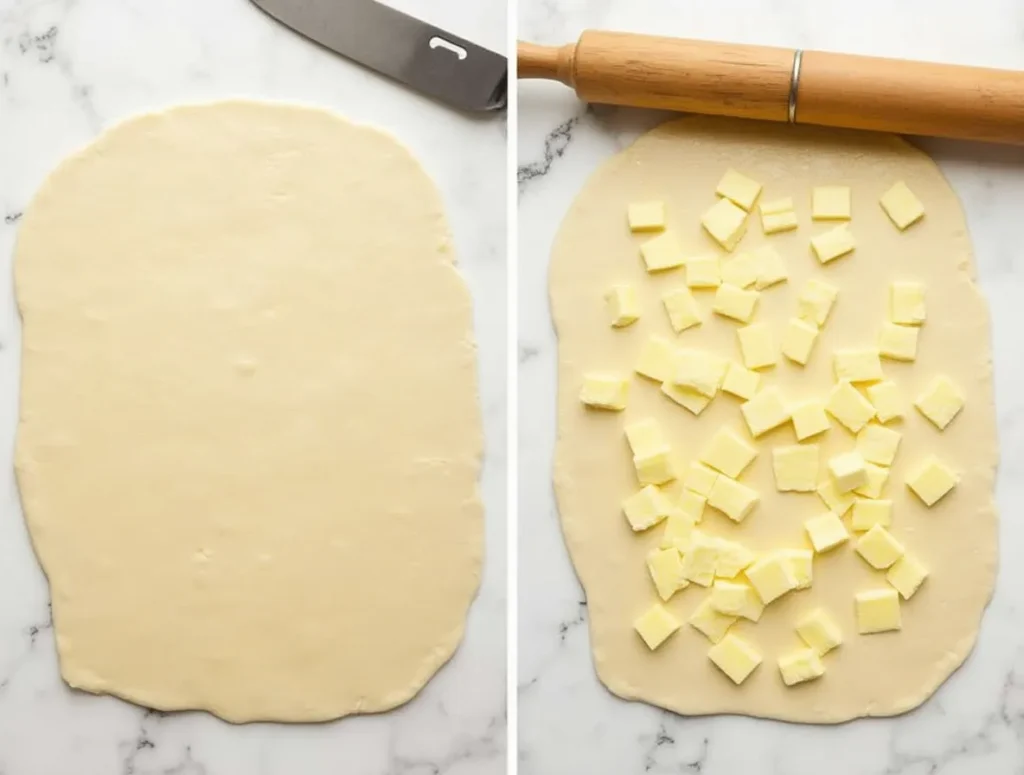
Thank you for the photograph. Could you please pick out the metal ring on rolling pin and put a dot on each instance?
(794, 84)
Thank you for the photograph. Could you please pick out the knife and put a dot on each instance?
(426, 58)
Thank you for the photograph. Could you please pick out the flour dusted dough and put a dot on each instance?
(250, 435)
(681, 162)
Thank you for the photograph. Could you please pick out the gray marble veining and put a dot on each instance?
(568, 721)
(67, 70)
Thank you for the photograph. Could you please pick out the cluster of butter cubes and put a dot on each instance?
(739, 583)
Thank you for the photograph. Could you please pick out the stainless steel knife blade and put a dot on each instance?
(428, 59)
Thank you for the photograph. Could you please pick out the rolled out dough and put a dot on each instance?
(249, 436)
(681, 162)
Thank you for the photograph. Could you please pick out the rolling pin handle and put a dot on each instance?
(550, 62)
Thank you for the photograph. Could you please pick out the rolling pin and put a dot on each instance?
(781, 84)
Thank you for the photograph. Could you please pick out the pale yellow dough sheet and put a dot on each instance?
(249, 436)
(682, 161)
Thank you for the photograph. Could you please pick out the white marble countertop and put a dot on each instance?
(68, 69)
(568, 721)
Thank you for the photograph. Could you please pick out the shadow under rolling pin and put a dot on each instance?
(779, 84)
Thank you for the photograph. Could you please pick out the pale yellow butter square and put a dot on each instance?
(765, 411)
(726, 223)
(623, 306)
(798, 340)
(662, 252)
(646, 216)
(656, 625)
(757, 346)
(739, 189)
(735, 657)
(795, 467)
(604, 391)
(682, 309)
(878, 610)
(831, 203)
(902, 206)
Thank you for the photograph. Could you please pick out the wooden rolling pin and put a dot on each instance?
(778, 84)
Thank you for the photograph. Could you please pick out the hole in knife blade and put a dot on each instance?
(447, 45)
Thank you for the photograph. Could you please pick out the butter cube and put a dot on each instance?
(699, 371)
(814, 303)
(678, 532)
(878, 610)
(826, 532)
(907, 575)
(700, 559)
(603, 391)
(858, 365)
(848, 406)
(800, 666)
(848, 471)
(646, 216)
(832, 244)
(646, 508)
(692, 504)
(735, 657)
(798, 340)
(878, 444)
(830, 203)
(739, 189)
(877, 477)
(703, 271)
(688, 398)
(796, 468)
(665, 567)
(776, 206)
(801, 563)
(700, 479)
(818, 631)
(733, 499)
(879, 548)
(726, 223)
(887, 400)
(728, 453)
(654, 467)
(757, 346)
(867, 513)
(735, 599)
(657, 358)
(838, 502)
(656, 625)
(741, 381)
(775, 223)
(932, 480)
(645, 437)
(765, 411)
(771, 268)
(772, 577)
(662, 252)
(740, 270)
(809, 419)
(710, 621)
(733, 558)
(903, 208)
(940, 402)
(898, 343)
(735, 303)
(906, 304)
(682, 309)
(623, 306)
